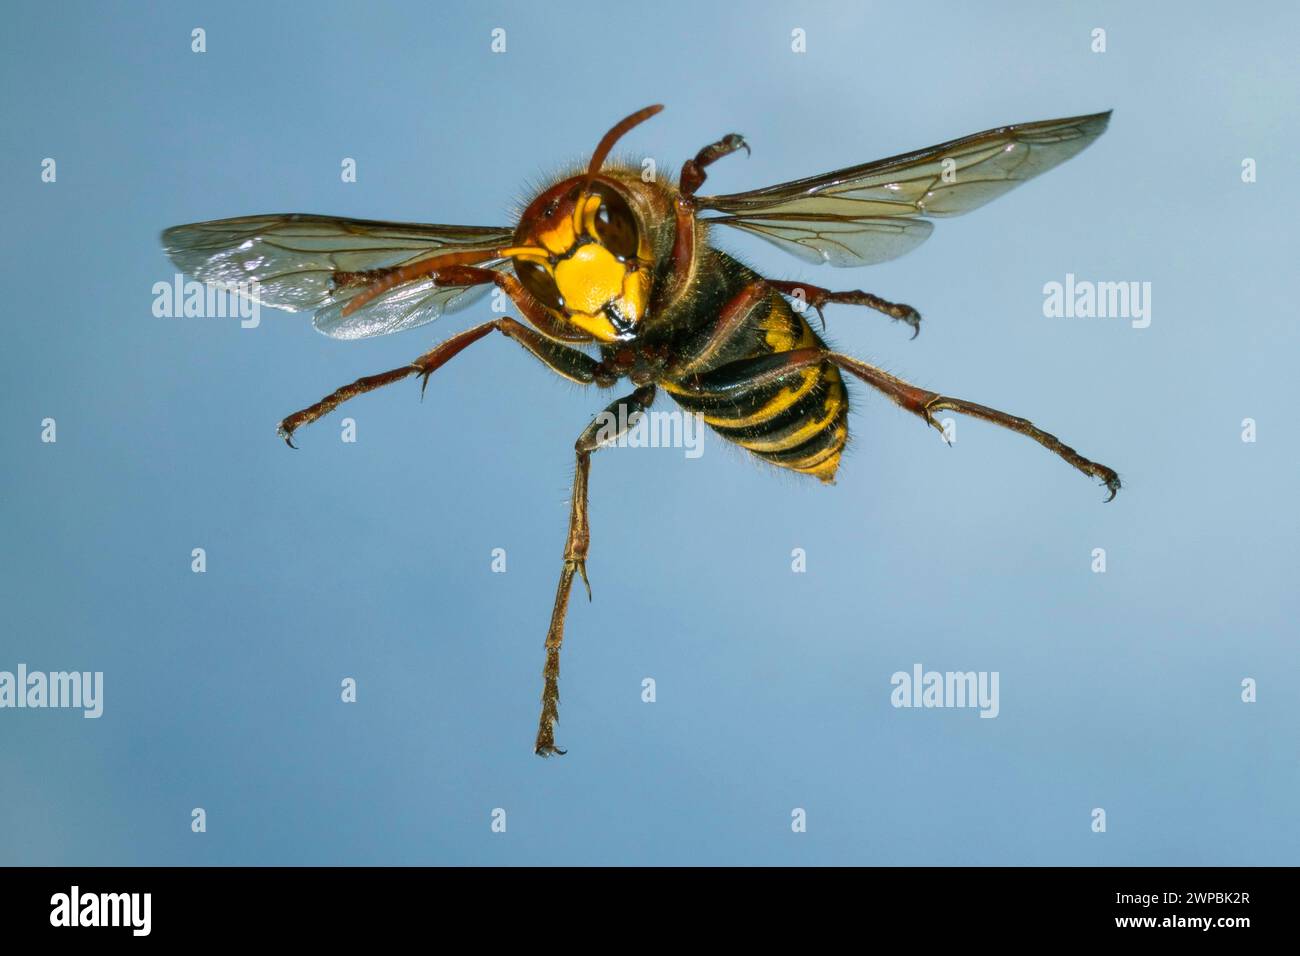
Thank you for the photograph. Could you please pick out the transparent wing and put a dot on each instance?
(310, 263)
(840, 242)
(944, 180)
(396, 310)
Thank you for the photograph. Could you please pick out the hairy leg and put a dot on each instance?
(919, 401)
(575, 553)
(693, 174)
(818, 297)
(570, 363)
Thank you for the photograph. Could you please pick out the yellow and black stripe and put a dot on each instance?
(800, 420)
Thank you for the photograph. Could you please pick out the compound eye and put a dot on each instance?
(540, 284)
(615, 225)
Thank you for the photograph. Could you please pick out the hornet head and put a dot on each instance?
(582, 251)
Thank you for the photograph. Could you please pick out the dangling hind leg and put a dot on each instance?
(624, 412)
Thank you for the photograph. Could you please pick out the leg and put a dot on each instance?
(378, 281)
(532, 311)
(570, 363)
(925, 404)
(771, 368)
(818, 297)
(685, 227)
(693, 175)
(575, 557)
(701, 350)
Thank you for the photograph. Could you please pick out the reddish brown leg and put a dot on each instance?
(570, 363)
(921, 402)
(692, 179)
(532, 311)
(693, 174)
(925, 403)
(700, 353)
(624, 412)
(379, 281)
(818, 297)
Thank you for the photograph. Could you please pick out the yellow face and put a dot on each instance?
(580, 253)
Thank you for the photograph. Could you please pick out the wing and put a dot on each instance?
(841, 242)
(301, 262)
(844, 217)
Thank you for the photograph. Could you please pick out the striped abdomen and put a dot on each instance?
(799, 421)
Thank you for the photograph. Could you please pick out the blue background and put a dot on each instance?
(372, 560)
